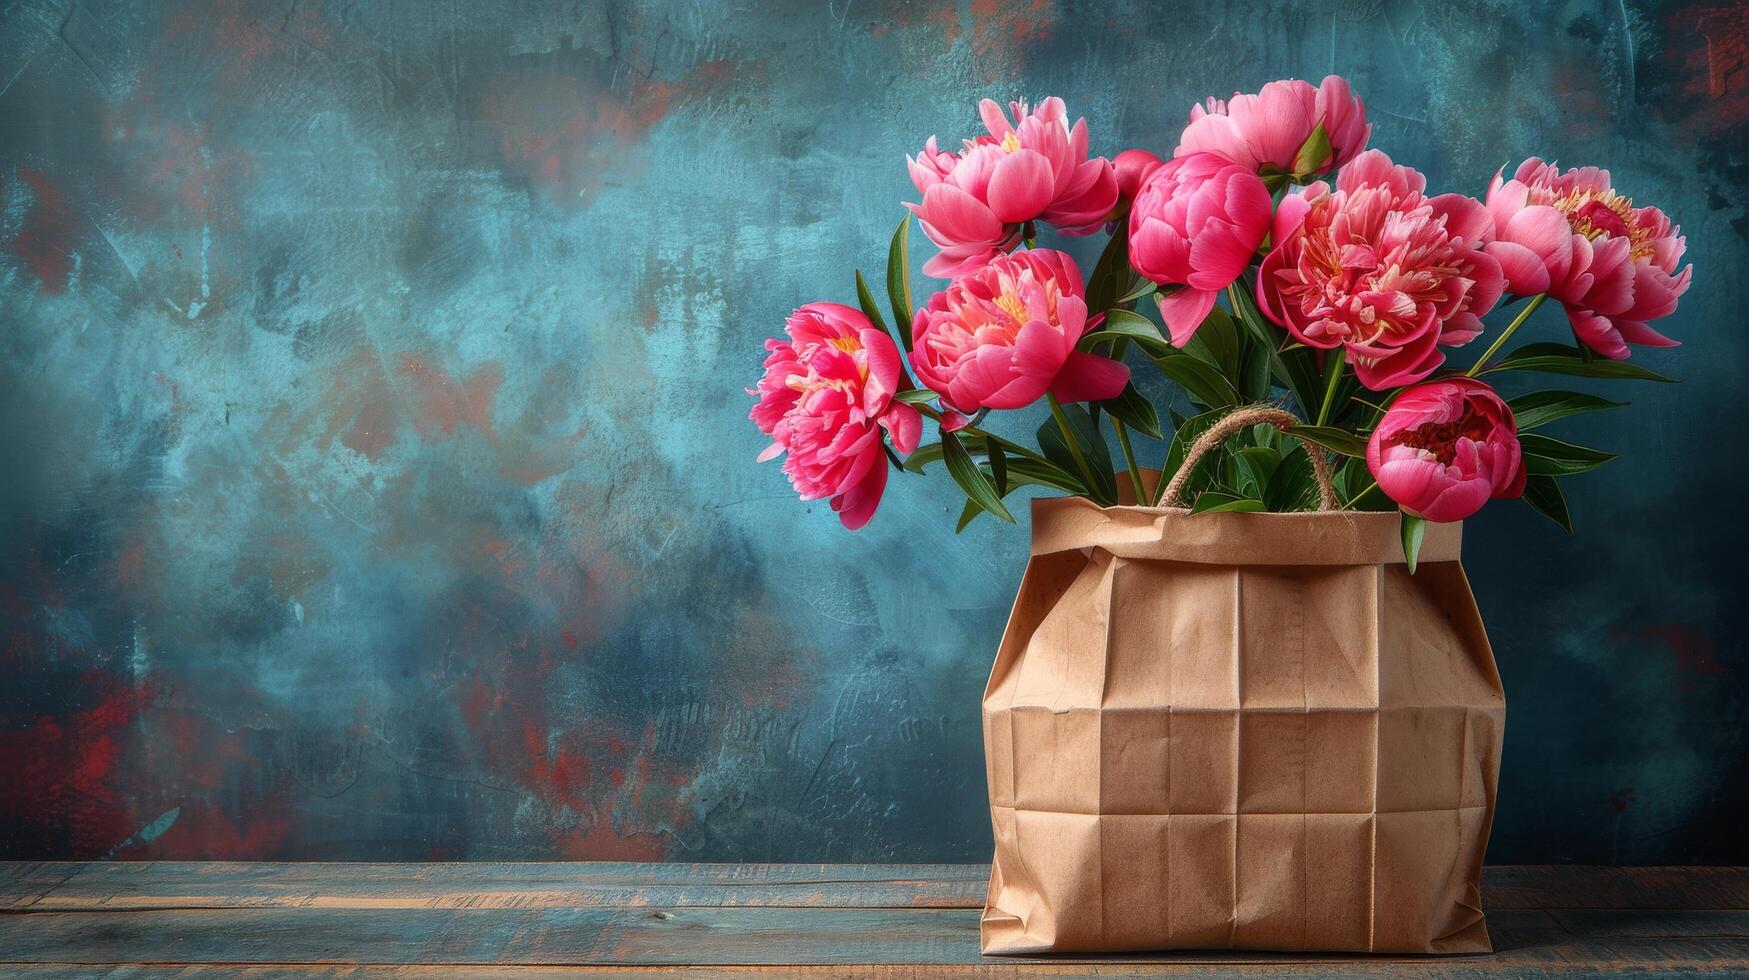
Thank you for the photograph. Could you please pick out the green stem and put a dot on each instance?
(1330, 389)
(1013, 447)
(1073, 443)
(1129, 457)
(1123, 434)
(1517, 321)
(1374, 485)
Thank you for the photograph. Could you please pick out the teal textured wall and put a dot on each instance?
(377, 481)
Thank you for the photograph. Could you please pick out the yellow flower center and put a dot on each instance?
(1595, 214)
(1011, 305)
(1010, 142)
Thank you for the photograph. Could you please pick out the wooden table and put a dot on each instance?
(905, 920)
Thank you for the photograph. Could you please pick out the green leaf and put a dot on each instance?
(1200, 380)
(1552, 457)
(1253, 370)
(923, 457)
(1112, 269)
(1141, 286)
(1414, 529)
(998, 465)
(1333, 439)
(1218, 503)
(1134, 409)
(1216, 341)
(1030, 471)
(1562, 359)
(1186, 433)
(1313, 152)
(1354, 484)
(1133, 326)
(1291, 486)
(1542, 407)
(1251, 467)
(1544, 496)
(971, 479)
(1294, 368)
(899, 282)
(1092, 443)
(915, 396)
(968, 514)
(865, 299)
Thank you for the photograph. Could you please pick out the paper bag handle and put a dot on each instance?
(1238, 419)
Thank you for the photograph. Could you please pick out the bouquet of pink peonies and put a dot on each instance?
(1228, 709)
(1343, 284)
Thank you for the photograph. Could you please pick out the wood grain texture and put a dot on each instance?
(171, 919)
(176, 884)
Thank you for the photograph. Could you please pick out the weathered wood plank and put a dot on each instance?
(1552, 886)
(747, 936)
(582, 885)
(540, 920)
(1435, 970)
(23, 883)
(172, 884)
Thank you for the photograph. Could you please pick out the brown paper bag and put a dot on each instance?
(1239, 731)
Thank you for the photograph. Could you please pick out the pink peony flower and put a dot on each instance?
(1197, 222)
(977, 202)
(1380, 270)
(1268, 129)
(1445, 448)
(1003, 335)
(826, 394)
(1133, 167)
(1571, 235)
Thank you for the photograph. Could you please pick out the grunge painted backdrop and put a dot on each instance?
(377, 481)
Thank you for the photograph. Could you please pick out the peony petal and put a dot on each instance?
(1612, 291)
(1597, 333)
(1465, 217)
(958, 216)
(994, 120)
(1457, 500)
(1088, 377)
(1217, 134)
(1291, 214)
(905, 425)
(884, 369)
(1635, 332)
(1184, 311)
(1020, 187)
(1545, 232)
(1655, 292)
(857, 505)
(1524, 270)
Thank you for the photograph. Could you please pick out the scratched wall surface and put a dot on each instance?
(377, 482)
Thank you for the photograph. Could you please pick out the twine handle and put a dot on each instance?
(1232, 422)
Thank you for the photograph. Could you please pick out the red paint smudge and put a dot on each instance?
(566, 132)
(999, 29)
(445, 403)
(48, 234)
(1693, 652)
(359, 407)
(1619, 802)
(62, 772)
(1706, 49)
(203, 831)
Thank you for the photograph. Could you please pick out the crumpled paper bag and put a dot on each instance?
(1239, 731)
